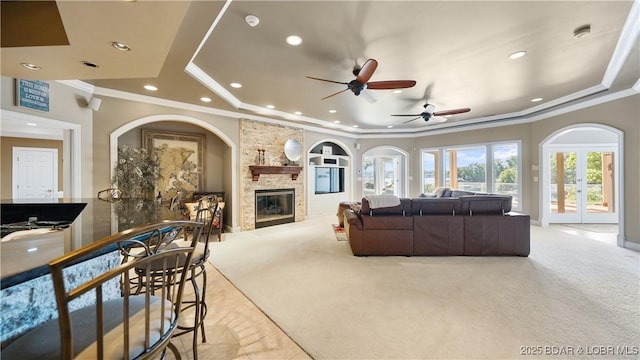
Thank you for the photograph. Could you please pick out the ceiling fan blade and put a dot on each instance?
(451, 112)
(408, 121)
(331, 81)
(390, 84)
(341, 91)
(408, 115)
(367, 71)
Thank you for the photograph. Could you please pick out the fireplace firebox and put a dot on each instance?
(275, 207)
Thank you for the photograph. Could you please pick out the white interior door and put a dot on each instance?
(35, 173)
(581, 185)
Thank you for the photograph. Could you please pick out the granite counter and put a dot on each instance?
(26, 296)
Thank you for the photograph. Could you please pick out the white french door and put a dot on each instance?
(382, 174)
(581, 184)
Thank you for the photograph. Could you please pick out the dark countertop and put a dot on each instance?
(24, 255)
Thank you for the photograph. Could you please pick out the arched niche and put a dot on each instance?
(328, 177)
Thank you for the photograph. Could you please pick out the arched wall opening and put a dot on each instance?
(582, 176)
(228, 168)
(385, 171)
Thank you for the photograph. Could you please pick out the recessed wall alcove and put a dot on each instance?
(329, 177)
(220, 154)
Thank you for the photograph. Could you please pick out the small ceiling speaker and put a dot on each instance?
(94, 103)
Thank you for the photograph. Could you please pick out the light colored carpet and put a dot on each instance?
(571, 292)
(599, 228)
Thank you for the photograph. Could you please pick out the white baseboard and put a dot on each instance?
(631, 245)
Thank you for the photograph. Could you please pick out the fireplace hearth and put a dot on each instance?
(274, 207)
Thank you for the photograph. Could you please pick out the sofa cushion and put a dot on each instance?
(391, 222)
(485, 204)
(403, 209)
(435, 206)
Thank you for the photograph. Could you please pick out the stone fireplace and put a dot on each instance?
(274, 207)
(271, 138)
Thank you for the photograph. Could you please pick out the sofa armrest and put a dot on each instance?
(352, 219)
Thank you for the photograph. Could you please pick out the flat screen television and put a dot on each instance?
(329, 180)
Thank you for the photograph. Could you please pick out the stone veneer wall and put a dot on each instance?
(256, 135)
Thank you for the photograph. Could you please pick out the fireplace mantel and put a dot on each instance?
(256, 170)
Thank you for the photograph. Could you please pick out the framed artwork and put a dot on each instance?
(181, 158)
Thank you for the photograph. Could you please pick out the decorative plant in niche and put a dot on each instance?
(136, 172)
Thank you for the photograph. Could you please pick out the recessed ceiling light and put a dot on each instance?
(517, 55)
(90, 64)
(354, 126)
(293, 40)
(389, 126)
(332, 111)
(120, 46)
(252, 20)
(236, 85)
(151, 87)
(582, 31)
(270, 107)
(205, 99)
(536, 99)
(30, 66)
(397, 91)
(32, 124)
(336, 121)
(298, 113)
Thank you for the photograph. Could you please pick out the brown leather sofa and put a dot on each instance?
(466, 224)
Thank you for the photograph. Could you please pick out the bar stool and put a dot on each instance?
(205, 215)
(196, 269)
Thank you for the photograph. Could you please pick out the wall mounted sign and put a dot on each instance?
(32, 94)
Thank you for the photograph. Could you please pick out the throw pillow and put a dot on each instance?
(441, 191)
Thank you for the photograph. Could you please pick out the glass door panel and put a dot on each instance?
(563, 185)
(391, 177)
(599, 192)
(368, 176)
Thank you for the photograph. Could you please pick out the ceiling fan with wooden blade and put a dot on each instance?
(361, 83)
(434, 117)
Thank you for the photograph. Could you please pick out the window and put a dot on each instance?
(465, 168)
(506, 178)
(493, 168)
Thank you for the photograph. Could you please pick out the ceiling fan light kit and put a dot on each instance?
(433, 117)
